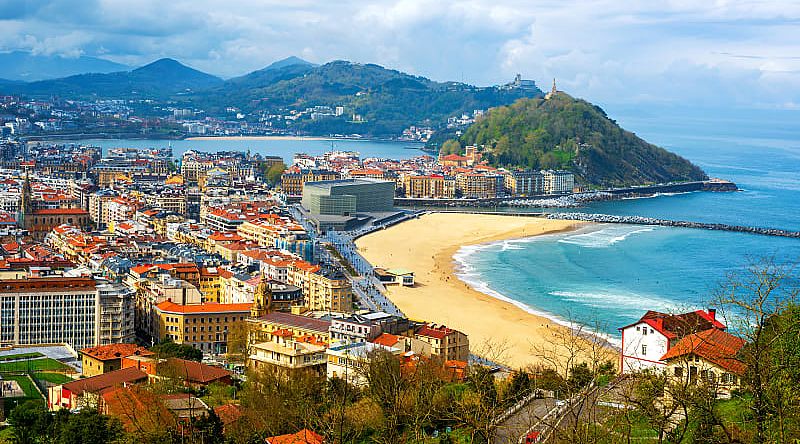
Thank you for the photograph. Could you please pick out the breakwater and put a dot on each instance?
(639, 220)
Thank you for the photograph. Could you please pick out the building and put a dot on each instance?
(203, 326)
(350, 361)
(479, 185)
(367, 327)
(86, 392)
(107, 358)
(50, 310)
(292, 181)
(263, 327)
(288, 353)
(558, 182)
(709, 357)
(524, 183)
(397, 276)
(446, 343)
(117, 312)
(323, 290)
(304, 436)
(346, 197)
(645, 341)
(432, 186)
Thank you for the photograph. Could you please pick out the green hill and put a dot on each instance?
(568, 133)
(387, 100)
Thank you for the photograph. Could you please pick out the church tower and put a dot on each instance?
(25, 205)
(262, 298)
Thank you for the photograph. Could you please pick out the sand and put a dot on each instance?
(497, 329)
(258, 138)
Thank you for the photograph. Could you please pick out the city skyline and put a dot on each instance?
(729, 53)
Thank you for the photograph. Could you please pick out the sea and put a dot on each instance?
(606, 276)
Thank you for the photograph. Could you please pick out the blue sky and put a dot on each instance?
(714, 52)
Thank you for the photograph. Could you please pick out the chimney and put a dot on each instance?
(713, 313)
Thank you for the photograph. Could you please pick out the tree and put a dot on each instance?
(761, 306)
(89, 427)
(30, 422)
(450, 147)
(273, 174)
(169, 349)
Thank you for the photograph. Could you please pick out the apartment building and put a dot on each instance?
(558, 182)
(446, 343)
(50, 310)
(474, 185)
(204, 326)
(429, 187)
(323, 290)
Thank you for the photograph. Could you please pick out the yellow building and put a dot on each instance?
(448, 344)
(107, 358)
(321, 291)
(479, 185)
(210, 284)
(292, 182)
(203, 326)
(432, 186)
(269, 327)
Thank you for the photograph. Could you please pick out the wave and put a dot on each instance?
(467, 273)
(603, 238)
(651, 196)
(621, 301)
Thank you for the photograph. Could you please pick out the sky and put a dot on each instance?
(717, 53)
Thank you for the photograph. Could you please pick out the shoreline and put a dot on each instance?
(493, 324)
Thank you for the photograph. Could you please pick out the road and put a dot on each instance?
(517, 425)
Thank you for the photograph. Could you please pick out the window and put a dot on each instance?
(644, 349)
(644, 331)
(678, 372)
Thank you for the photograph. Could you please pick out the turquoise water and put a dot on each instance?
(273, 147)
(607, 276)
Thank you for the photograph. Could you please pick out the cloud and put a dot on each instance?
(680, 51)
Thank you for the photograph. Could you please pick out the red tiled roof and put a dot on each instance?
(194, 371)
(115, 351)
(713, 345)
(439, 332)
(206, 307)
(680, 325)
(100, 383)
(228, 413)
(56, 211)
(304, 436)
(387, 339)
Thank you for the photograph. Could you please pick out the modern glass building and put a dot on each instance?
(346, 197)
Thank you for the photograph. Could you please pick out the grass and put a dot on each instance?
(25, 384)
(33, 365)
(21, 356)
(55, 378)
(6, 435)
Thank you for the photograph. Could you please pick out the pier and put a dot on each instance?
(639, 220)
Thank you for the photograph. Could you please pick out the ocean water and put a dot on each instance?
(607, 276)
(285, 148)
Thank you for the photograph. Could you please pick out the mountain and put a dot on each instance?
(21, 65)
(289, 61)
(564, 132)
(385, 101)
(159, 79)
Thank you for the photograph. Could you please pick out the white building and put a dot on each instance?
(50, 310)
(558, 182)
(116, 313)
(645, 341)
(350, 361)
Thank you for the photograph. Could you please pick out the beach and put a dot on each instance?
(497, 329)
(261, 138)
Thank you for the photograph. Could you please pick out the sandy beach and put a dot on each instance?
(259, 138)
(496, 329)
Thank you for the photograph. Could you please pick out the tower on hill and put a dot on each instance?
(553, 91)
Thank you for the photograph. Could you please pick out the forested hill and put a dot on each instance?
(568, 133)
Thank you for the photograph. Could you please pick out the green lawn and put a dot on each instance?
(25, 384)
(55, 378)
(33, 365)
(20, 356)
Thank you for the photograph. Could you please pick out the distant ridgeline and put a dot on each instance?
(352, 98)
(561, 132)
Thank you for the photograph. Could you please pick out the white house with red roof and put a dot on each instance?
(645, 341)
